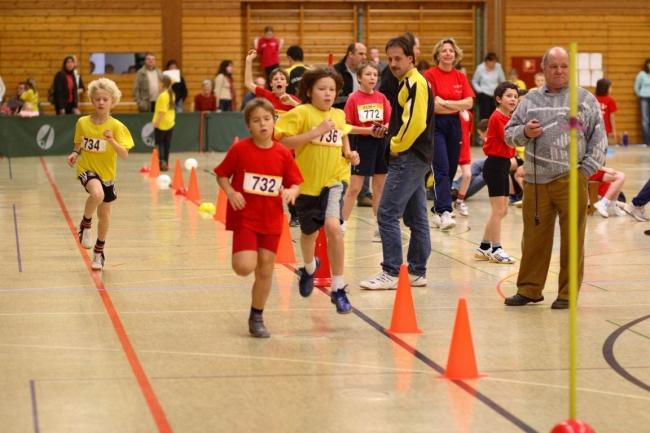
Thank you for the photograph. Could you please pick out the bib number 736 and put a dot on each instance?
(262, 184)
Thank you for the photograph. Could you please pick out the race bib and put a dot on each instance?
(370, 113)
(262, 184)
(93, 144)
(330, 138)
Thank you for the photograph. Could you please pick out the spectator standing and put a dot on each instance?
(145, 91)
(268, 47)
(608, 108)
(487, 77)
(179, 88)
(224, 88)
(65, 96)
(642, 90)
(205, 101)
(347, 68)
(374, 56)
(296, 68)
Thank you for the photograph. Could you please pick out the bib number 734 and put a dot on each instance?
(93, 144)
(262, 184)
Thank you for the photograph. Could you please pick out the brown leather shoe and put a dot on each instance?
(519, 300)
(256, 327)
(560, 304)
(365, 201)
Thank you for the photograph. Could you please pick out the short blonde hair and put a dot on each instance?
(438, 47)
(105, 84)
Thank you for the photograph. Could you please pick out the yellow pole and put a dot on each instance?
(573, 226)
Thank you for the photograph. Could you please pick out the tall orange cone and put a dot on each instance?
(178, 183)
(193, 187)
(222, 206)
(461, 364)
(323, 277)
(404, 320)
(154, 168)
(285, 254)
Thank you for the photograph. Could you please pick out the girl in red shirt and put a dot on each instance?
(496, 173)
(258, 175)
(608, 107)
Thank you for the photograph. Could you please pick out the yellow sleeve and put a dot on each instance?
(78, 133)
(123, 136)
(289, 124)
(414, 116)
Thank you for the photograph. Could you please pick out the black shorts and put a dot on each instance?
(372, 154)
(163, 138)
(312, 210)
(108, 187)
(496, 172)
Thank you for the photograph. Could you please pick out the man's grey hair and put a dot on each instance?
(547, 54)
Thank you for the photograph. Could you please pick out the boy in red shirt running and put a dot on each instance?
(258, 175)
(496, 173)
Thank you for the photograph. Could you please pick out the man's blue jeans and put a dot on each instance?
(645, 119)
(404, 197)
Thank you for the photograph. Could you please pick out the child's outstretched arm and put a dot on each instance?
(235, 198)
(248, 71)
(122, 152)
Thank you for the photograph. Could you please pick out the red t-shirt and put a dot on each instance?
(362, 109)
(269, 50)
(450, 86)
(205, 103)
(495, 143)
(258, 174)
(608, 106)
(279, 106)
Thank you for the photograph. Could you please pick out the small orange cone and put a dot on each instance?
(154, 167)
(178, 183)
(404, 320)
(193, 187)
(461, 364)
(323, 277)
(222, 206)
(285, 254)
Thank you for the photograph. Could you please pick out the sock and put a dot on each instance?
(485, 245)
(99, 246)
(311, 267)
(255, 312)
(86, 222)
(496, 246)
(460, 197)
(337, 282)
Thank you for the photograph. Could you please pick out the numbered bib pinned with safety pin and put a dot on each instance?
(90, 144)
(333, 137)
(262, 184)
(370, 113)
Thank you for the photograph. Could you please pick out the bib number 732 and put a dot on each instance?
(262, 184)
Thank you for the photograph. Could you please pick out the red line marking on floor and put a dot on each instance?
(498, 287)
(147, 391)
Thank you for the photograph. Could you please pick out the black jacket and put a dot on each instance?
(348, 85)
(180, 90)
(61, 91)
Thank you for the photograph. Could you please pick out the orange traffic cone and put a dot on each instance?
(222, 206)
(323, 277)
(178, 183)
(193, 187)
(154, 167)
(404, 320)
(461, 364)
(285, 254)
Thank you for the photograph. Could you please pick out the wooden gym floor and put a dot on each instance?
(158, 341)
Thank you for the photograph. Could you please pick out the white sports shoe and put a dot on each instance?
(601, 208)
(98, 261)
(482, 255)
(615, 210)
(382, 281)
(637, 212)
(417, 281)
(461, 207)
(435, 221)
(85, 238)
(500, 256)
(446, 222)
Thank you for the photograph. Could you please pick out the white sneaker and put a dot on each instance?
(601, 207)
(376, 237)
(98, 261)
(435, 221)
(614, 210)
(461, 207)
(482, 255)
(446, 222)
(382, 281)
(417, 281)
(637, 212)
(500, 256)
(85, 238)
(343, 226)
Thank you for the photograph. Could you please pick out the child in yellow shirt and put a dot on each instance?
(164, 119)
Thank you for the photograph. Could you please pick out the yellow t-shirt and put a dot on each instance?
(30, 97)
(97, 154)
(169, 114)
(321, 161)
